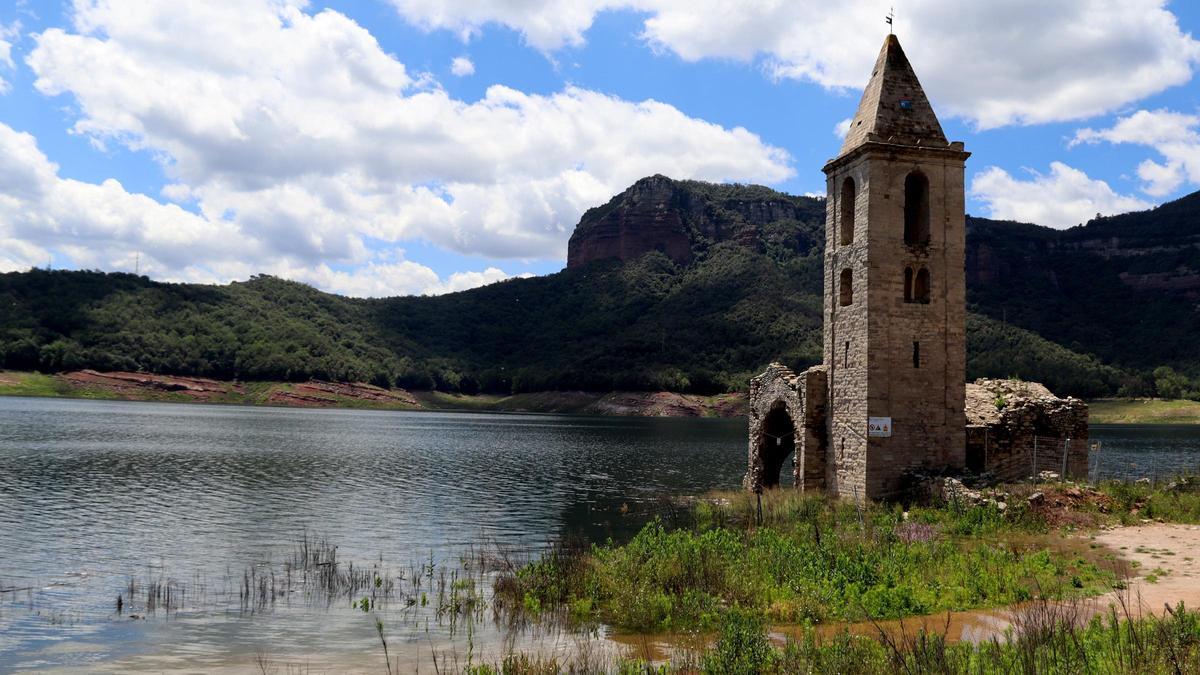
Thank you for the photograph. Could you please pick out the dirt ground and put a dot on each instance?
(1166, 559)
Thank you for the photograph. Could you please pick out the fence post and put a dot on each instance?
(1035, 470)
(1066, 448)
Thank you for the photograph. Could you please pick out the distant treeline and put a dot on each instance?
(642, 326)
(1044, 305)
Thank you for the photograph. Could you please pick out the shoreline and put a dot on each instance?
(127, 386)
(116, 385)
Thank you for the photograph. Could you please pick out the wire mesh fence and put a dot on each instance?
(1107, 454)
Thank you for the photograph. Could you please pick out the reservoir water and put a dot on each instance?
(96, 494)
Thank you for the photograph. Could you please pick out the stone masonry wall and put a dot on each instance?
(925, 399)
(1019, 429)
(845, 339)
(802, 398)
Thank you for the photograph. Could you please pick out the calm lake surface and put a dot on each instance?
(96, 493)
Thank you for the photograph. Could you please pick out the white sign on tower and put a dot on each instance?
(879, 427)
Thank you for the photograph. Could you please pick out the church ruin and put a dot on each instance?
(888, 401)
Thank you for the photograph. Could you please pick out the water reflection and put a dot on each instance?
(92, 493)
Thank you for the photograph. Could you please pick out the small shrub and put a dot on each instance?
(742, 648)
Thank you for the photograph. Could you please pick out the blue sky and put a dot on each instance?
(335, 144)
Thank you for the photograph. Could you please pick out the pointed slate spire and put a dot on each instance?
(894, 108)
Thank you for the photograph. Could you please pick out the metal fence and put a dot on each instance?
(1144, 454)
(1110, 461)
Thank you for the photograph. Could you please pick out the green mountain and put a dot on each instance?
(672, 285)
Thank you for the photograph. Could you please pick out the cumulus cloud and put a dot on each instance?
(45, 217)
(378, 279)
(1061, 199)
(545, 24)
(302, 137)
(995, 63)
(1174, 135)
(461, 66)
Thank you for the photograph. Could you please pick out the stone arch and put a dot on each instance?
(916, 209)
(787, 418)
(777, 442)
(849, 198)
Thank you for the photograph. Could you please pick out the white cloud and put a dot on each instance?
(995, 63)
(313, 147)
(44, 216)
(377, 279)
(7, 34)
(842, 128)
(1065, 197)
(545, 24)
(461, 66)
(1175, 136)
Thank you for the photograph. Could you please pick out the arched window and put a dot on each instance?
(848, 201)
(916, 209)
(921, 287)
(847, 288)
(908, 284)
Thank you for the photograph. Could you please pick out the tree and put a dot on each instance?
(1169, 383)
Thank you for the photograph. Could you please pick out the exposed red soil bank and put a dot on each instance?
(324, 394)
(130, 384)
(316, 393)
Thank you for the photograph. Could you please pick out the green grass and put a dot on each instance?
(1144, 411)
(1047, 640)
(1176, 500)
(812, 561)
(36, 384)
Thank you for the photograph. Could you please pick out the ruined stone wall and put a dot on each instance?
(803, 398)
(1019, 429)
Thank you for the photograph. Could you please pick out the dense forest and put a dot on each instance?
(1044, 305)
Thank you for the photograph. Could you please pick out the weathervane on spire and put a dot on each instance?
(890, 19)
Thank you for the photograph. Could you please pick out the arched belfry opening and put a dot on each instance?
(849, 201)
(921, 287)
(778, 443)
(916, 209)
(874, 415)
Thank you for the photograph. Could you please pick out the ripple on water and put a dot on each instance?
(93, 493)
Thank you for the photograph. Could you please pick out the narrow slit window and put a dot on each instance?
(848, 202)
(916, 354)
(916, 209)
(846, 356)
(846, 294)
(908, 284)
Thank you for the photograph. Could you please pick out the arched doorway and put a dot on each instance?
(778, 443)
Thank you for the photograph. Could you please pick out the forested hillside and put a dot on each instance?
(1089, 311)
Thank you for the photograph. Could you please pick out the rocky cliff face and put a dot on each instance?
(1124, 289)
(681, 218)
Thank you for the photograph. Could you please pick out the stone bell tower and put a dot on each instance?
(895, 290)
